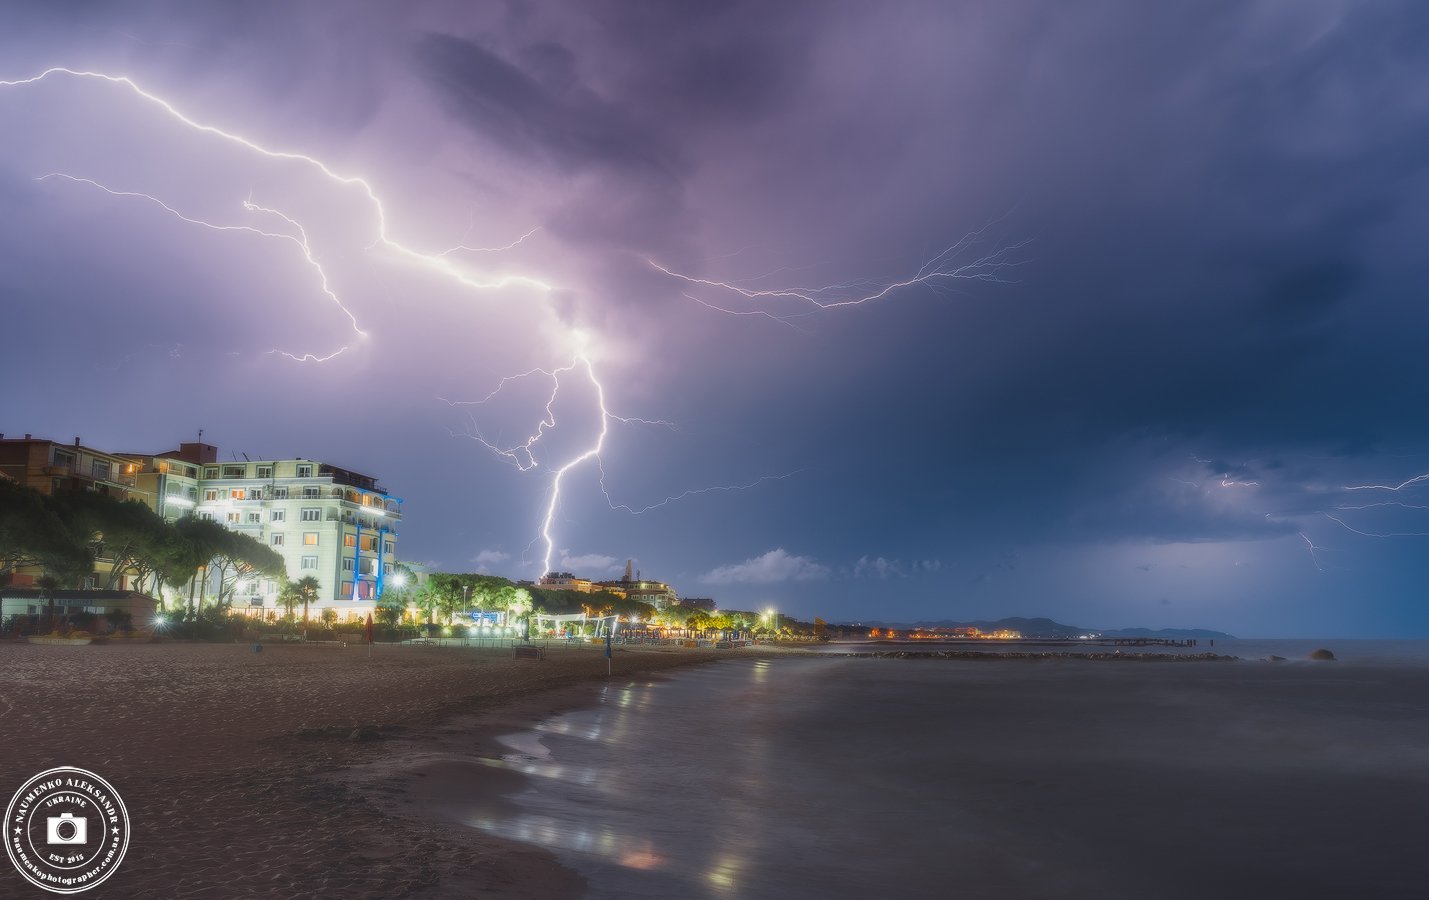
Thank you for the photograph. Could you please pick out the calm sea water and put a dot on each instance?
(1348, 650)
(837, 777)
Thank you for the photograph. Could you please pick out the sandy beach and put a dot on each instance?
(232, 763)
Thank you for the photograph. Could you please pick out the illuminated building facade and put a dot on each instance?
(334, 524)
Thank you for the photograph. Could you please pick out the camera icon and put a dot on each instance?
(66, 829)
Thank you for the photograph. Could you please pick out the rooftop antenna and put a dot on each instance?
(200, 435)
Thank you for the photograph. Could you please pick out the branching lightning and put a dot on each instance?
(1313, 550)
(717, 489)
(937, 271)
(436, 261)
(523, 453)
(300, 240)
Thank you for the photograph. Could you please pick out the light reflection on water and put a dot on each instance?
(830, 777)
(692, 750)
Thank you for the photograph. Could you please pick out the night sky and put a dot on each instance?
(1194, 320)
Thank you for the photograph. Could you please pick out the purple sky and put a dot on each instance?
(1209, 325)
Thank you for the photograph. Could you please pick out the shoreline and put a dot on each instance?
(307, 770)
(246, 774)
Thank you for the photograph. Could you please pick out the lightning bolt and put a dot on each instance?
(1313, 549)
(435, 261)
(690, 493)
(592, 452)
(523, 454)
(1417, 479)
(300, 241)
(1392, 534)
(942, 267)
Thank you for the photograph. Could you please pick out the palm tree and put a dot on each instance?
(288, 597)
(307, 589)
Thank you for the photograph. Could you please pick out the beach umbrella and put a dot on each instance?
(369, 628)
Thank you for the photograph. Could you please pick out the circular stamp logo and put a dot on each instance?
(66, 830)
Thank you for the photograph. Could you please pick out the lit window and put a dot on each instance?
(310, 538)
(210, 495)
(309, 562)
(312, 515)
(349, 540)
(237, 494)
(279, 515)
(368, 543)
(277, 540)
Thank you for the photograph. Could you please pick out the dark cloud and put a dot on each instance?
(560, 118)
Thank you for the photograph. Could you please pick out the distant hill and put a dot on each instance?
(1042, 627)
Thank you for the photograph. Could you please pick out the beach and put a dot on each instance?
(459, 772)
(234, 765)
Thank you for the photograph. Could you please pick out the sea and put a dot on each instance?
(829, 776)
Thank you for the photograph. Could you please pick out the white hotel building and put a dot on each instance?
(334, 524)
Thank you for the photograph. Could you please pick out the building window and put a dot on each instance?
(367, 565)
(278, 515)
(347, 564)
(308, 562)
(210, 472)
(255, 518)
(193, 494)
(206, 516)
(310, 492)
(349, 540)
(368, 543)
(280, 493)
(265, 471)
(366, 499)
(233, 471)
(277, 540)
(233, 518)
(305, 471)
(311, 514)
(101, 469)
(389, 548)
(310, 538)
(172, 489)
(237, 494)
(346, 589)
(210, 495)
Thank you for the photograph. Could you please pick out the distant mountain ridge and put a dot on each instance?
(1042, 627)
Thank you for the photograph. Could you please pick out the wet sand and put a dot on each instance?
(237, 767)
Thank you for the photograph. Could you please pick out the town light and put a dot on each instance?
(399, 579)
